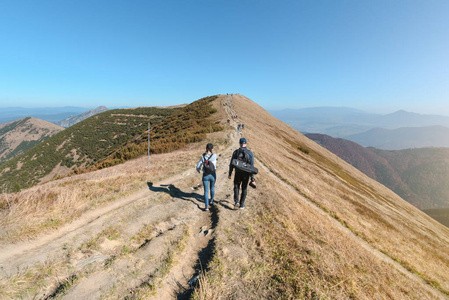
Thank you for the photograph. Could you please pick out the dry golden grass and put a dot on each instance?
(315, 228)
(48, 206)
(29, 282)
(298, 253)
(285, 249)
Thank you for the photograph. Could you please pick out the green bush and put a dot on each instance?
(189, 124)
(110, 138)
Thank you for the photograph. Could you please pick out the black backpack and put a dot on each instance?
(243, 156)
(209, 167)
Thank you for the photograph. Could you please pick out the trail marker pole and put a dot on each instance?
(148, 145)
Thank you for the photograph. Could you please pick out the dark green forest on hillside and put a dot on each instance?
(183, 126)
(107, 139)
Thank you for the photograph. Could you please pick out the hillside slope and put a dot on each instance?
(19, 136)
(314, 228)
(107, 139)
(303, 189)
(419, 176)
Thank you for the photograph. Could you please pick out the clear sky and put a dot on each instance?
(376, 55)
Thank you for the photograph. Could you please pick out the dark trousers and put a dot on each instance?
(242, 179)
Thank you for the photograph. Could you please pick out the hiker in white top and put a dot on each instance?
(209, 163)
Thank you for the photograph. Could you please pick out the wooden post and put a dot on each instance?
(148, 145)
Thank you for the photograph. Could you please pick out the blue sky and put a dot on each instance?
(374, 55)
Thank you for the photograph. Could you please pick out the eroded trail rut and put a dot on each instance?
(177, 241)
(153, 243)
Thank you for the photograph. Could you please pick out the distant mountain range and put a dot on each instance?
(72, 120)
(399, 130)
(420, 176)
(403, 138)
(343, 121)
(49, 114)
(19, 136)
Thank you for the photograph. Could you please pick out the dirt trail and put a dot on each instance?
(164, 238)
(151, 244)
(13, 257)
(184, 275)
(192, 239)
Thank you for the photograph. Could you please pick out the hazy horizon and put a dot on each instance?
(374, 111)
(377, 56)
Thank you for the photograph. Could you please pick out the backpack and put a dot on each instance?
(209, 167)
(243, 156)
(243, 163)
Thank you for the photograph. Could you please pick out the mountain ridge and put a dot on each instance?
(403, 138)
(19, 136)
(49, 114)
(315, 227)
(105, 139)
(72, 120)
(344, 122)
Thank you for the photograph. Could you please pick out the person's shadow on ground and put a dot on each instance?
(192, 197)
(176, 192)
(227, 204)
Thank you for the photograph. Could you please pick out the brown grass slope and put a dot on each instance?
(315, 228)
(18, 136)
(318, 228)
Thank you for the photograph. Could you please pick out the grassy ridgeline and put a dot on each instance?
(107, 139)
(183, 126)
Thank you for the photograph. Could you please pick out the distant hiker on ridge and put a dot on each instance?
(243, 161)
(209, 163)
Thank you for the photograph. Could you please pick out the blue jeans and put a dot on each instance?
(208, 183)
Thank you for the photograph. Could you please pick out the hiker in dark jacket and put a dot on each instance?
(241, 178)
(209, 174)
